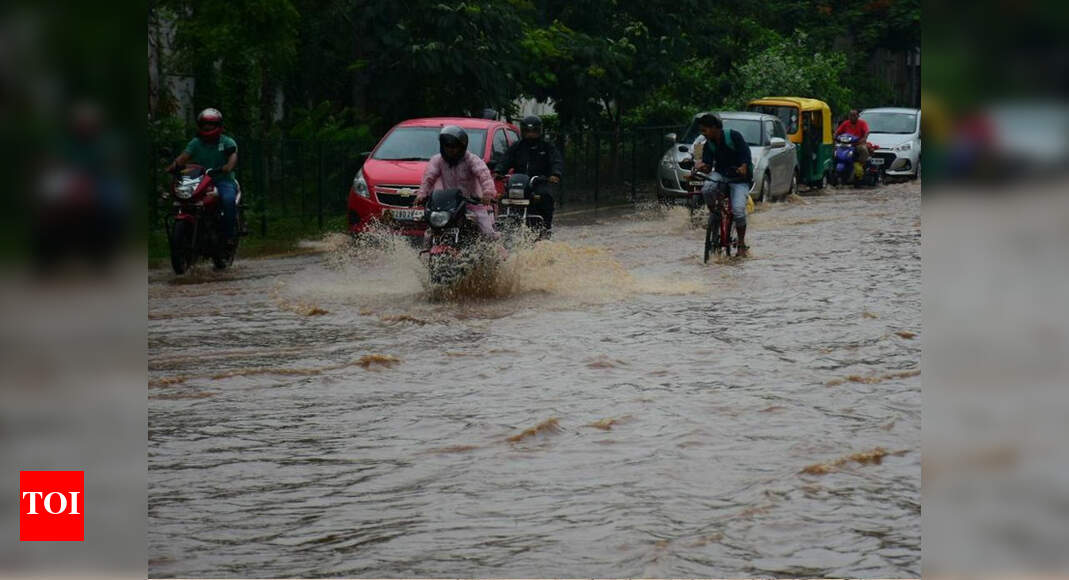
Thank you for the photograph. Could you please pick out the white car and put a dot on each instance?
(897, 132)
(773, 155)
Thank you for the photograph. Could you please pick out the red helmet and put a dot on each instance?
(210, 124)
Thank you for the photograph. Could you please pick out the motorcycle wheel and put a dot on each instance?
(443, 272)
(225, 258)
(181, 246)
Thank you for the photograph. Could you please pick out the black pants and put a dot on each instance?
(545, 205)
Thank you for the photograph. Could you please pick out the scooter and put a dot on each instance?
(849, 171)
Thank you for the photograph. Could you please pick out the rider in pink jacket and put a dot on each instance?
(456, 167)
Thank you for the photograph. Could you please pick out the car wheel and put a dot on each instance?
(794, 184)
(766, 188)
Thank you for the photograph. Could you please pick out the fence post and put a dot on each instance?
(597, 168)
(319, 187)
(155, 197)
(262, 187)
(563, 143)
(282, 165)
(634, 166)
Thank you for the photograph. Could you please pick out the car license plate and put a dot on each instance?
(409, 215)
(877, 161)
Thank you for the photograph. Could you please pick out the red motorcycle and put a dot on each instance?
(195, 229)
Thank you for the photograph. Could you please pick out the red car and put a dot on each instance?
(385, 187)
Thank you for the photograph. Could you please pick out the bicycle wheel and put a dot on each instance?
(725, 228)
(710, 230)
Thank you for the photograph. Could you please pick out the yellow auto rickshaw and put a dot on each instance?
(808, 125)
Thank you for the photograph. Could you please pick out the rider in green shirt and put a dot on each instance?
(218, 154)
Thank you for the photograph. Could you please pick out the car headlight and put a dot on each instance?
(439, 218)
(904, 147)
(360, 185)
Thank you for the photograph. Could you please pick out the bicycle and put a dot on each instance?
(720, 227)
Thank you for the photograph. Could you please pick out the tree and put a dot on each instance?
(789, 68)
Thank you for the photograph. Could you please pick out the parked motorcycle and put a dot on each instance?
(195, 229)
(847, 170)
(455, 249)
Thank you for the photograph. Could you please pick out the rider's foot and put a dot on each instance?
(744, 252)
(547, 234)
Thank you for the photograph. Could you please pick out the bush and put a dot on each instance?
(793, 68)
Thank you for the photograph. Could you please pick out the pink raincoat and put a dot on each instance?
(471, 176)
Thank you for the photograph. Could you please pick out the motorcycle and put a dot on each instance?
(455, 250)
(516, 207)
(847, 170)
(195, 229)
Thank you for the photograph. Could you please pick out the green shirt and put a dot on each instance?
(210, 155)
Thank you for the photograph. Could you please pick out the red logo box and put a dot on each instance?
(51, 506)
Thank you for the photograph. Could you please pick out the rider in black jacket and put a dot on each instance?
(533, 156)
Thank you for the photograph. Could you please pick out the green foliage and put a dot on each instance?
(323, 123)
(791, 68)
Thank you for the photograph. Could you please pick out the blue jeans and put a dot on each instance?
(739, 191)
(228, 194)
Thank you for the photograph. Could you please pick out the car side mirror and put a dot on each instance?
(778, 143)
(670, 138)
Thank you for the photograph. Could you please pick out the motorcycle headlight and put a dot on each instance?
(439, 218)
(516, 192)
(184, 189)
(360, 185)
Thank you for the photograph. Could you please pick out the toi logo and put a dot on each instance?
(50, 506)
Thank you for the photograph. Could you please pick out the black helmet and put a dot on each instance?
(452, 135)
(531, 123)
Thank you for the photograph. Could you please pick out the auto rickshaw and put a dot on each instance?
(808, 125)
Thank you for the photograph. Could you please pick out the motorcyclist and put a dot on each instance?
(857, 127)
(456, 167)
(218, 154)
(533, 156)
(730, 155)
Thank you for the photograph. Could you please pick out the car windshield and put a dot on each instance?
(787, 115)
(750, 131)
(421, 143)
(902, 123)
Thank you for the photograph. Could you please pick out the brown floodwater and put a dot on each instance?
(604, 405)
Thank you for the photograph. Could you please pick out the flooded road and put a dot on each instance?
(609, 407)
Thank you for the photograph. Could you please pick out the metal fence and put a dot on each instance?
(288, 182)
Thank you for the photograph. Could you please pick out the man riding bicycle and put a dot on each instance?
(730, 155)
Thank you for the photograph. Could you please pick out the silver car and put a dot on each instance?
(774, 157)
(897, 132)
